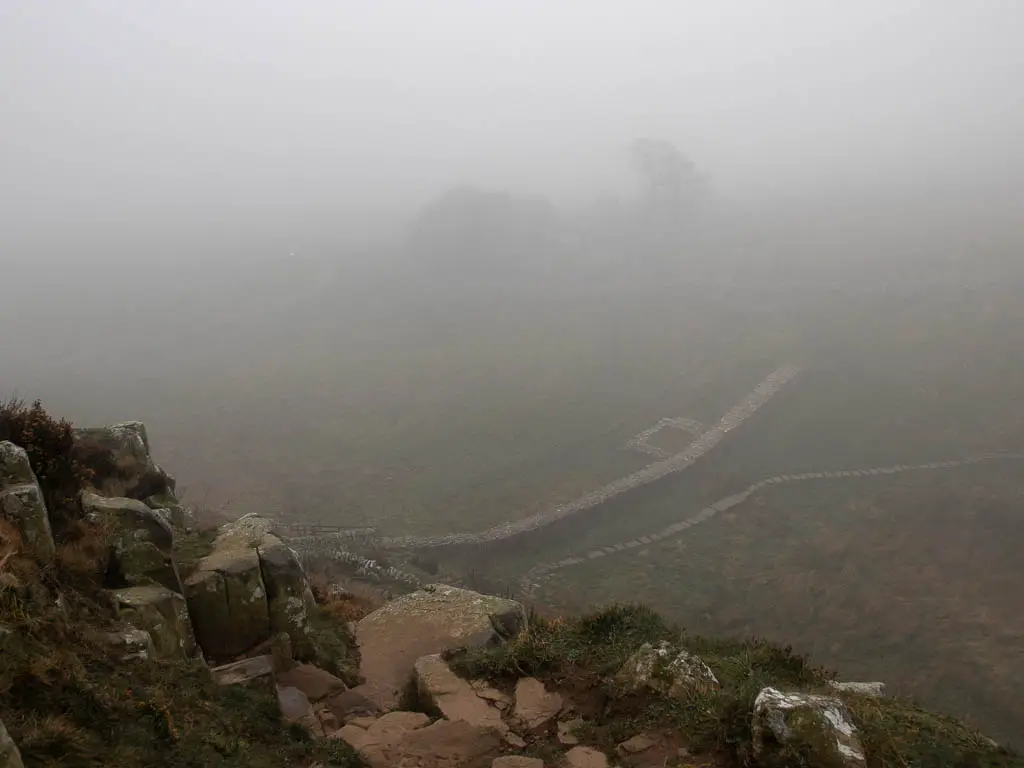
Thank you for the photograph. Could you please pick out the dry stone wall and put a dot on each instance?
(531, 580)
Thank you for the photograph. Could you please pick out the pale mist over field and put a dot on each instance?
(431, 267)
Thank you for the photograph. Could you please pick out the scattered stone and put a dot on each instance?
(422, 623)
(566, 729)
(351, 735)
(818, 727)
(514, 740)
(362, 722)
(161, 613)
(585, 757)
(637, 744)
(485, 691)
(21, 501)
(314, 682)
(664, 670)
(517, 761)
(443, 744)
(256, 674)
(864, 689)
(454, 697)
(296, 708)
(535, 705)
(10, 757)
(349, 705)
(327, 719)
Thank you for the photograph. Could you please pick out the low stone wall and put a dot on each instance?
(530, 580)
(652, 472)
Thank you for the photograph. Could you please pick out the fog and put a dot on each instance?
(432, 267)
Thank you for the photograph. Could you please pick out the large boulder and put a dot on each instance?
(121, 462)
(666, 670)
(816, 727)
(10, 757)
(141, 541)
(250, 587)
(429, 621)
(161, 613)
(21, 501)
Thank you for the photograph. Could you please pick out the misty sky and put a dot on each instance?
(173, 121)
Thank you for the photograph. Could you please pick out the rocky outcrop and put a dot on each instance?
(120, 458)
(21, 501)
(818, 728)
(665, 670)
(10, 757)
(432, 620)
(162, 614)
(141, 541)
(250, 587)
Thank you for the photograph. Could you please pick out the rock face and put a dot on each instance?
(21, 501)
(454, 697)
(121, 454)
(142, 542)
(426, 622)
(660, 668)
(10, 757)
(817, 727)
(250, 587)
(161, 613)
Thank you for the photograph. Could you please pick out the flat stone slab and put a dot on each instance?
(422, 623)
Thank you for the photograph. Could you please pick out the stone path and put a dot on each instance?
(530, 580)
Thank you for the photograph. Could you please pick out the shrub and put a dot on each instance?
(50, 446)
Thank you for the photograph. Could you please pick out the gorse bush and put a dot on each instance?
(50, 445)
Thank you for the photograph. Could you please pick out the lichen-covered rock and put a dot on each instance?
(135, 644)
(431, 620)
(874, 689)
(172, 510)
(10, 757)
(228, 604)
(257, 671)
(289, 597)
(663, 669)
(121, 462)
(161, 613)
(816, 727)
(21, 501)
(248, 588)
(141, 541)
